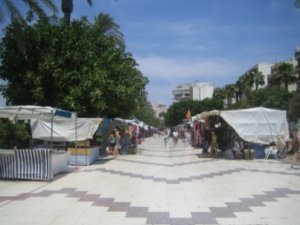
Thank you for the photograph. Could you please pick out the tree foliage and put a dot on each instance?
(294, 106)
(76, 67)
(14, 134)
(269, 97)
(9, 8)
(144, 112)
(176, 112)
(286, 74)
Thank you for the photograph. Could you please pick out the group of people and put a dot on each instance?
(121, 142)
(175, 135)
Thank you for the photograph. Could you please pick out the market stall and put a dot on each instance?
(80, 148)
(31, 163)
(256, 127)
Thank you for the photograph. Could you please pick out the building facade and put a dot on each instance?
(182, 92)
(194, 91)
(159, 110)
(201, 90)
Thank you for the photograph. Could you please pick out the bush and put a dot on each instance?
(14, 134)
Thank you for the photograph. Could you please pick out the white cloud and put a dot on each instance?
(160, 94)
(170, 69)
(166, 73)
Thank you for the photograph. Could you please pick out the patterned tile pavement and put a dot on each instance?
(175, 186)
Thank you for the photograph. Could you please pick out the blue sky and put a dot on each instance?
(182, 41)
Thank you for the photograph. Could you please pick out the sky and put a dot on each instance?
(182, 41)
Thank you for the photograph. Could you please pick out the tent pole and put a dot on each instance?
(76, 138)
(51, 139)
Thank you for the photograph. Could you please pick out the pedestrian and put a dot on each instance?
(213, 148)
(187, 138)
(166, 137)
(175, 137)
(296, 145)
(113, 143)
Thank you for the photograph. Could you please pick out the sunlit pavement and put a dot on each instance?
(172, 185)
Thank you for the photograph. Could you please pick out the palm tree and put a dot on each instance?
(219, 93)
(258, 78)
(239, 89)
(229, 92)
(10, 7)
(105, 25)
(67, 8)
(286, 74)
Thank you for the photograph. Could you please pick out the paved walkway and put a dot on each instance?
(158, 186)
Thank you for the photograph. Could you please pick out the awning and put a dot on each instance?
(28, 112)
(64, 129)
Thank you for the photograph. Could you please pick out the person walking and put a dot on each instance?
(165, 138)
(187, 139)
(175, 137)
(113, 140)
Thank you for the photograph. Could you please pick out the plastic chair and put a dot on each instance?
(271, 151)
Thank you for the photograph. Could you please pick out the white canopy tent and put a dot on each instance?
(64, 130)
(35, 164)
(257, 125)
(29, 112)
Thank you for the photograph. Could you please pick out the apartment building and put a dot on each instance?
(194, 91)
(159, 109)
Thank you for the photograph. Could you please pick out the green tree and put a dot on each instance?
(294, 106)
(74, 67)
(35, 11)
(105, 25)
(239, 89)
(270, 97)
(14, 134)
(229, 93)
(9, 7)
(144, 112)
(258, 78)
(176, 112)
(67, 8)
(219, 93)
(286, 74)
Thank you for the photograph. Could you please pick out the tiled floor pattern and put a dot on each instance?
(159, 186)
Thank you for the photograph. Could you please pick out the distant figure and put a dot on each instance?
(213, 148)
(165, 137)
(187, 138)
(175, 137)
(113, 140)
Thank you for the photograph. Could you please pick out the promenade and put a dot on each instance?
(176, 185)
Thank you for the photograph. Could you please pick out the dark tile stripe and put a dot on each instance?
(165, 164)
(161, 179)
(166, 156)
(164, 217)
(184, 179)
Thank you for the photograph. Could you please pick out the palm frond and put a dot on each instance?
(15, 14)
(90, 2)
(36, 8)
(50, 5)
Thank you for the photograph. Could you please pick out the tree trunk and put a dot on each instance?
(67, 8)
